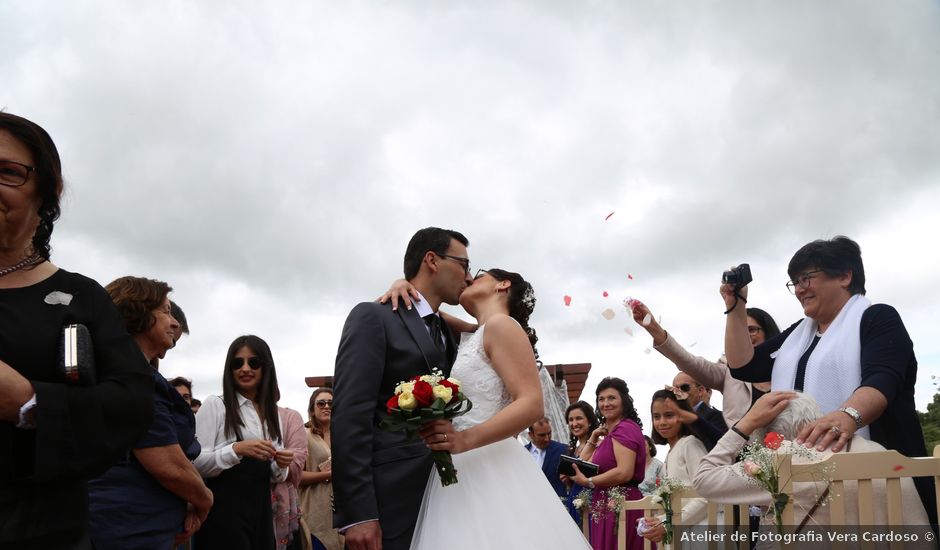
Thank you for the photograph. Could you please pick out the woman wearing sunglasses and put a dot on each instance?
(316, 491)
(242, 450)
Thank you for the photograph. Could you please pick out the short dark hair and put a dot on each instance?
(135, 299)
(650, 445)
(182, 381)
(543, 420)
(682, 403)
(835, 257)
(267, 395)
(433, 239)
(177, 312)
(48, 172)
(617, 384)
(195, 403)
(766, 322)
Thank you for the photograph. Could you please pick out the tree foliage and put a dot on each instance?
(930, 423)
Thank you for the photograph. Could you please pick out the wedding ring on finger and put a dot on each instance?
(445, 438)
(836, 430)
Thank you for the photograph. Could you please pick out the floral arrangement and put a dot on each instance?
(528, 298)
(760, 465)
(420, 400)
(601, 503)
(662, 495)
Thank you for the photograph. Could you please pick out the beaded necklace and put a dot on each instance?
(34, 259)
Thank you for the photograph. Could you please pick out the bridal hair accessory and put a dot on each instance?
(528, 298)
(422, 399)
(33, 259)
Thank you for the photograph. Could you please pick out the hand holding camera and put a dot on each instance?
(734, 285)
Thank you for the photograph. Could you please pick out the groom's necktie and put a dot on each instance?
(434, 324)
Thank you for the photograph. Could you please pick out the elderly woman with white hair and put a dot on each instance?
(721, 480)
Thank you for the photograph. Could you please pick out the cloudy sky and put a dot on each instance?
(270, 160)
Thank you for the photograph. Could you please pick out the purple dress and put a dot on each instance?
(604, 534)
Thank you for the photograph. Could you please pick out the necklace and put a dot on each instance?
(34, 259)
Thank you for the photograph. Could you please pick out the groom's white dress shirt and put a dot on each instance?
(538, 454)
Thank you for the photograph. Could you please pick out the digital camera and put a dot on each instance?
(738, 277)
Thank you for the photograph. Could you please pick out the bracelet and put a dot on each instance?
(591, 482)
(739, 432)
(591, 443)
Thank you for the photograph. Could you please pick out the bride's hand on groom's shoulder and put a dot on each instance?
(440, 435)
(402, 290)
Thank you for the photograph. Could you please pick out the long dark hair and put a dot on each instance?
(766, 322)
(682, 404)
(267, 395)
(617, 384)
(593, 423)
(314, 427)
(48, 174)
(521, 301)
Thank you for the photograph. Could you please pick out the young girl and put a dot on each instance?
(242, 450)
(682, 461)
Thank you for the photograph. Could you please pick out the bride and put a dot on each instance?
(502, 499)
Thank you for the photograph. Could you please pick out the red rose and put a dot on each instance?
(392, 403)
(423, 392)
(773, 440)
(454, 387)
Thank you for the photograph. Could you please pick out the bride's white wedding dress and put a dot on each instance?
(501, 499)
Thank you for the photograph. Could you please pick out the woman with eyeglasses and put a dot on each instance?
(316, 491)
(854, 357)
(242, 450)
(54, 434)
(736, 395)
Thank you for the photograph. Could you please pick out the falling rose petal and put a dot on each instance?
(647, 319)
(631, 303)
(628, 331)
(608, 314)
(605, 294)
(692, 345)
(898, 468)
(629, 276)
(608, 216)
(57, 297)
(567, 300)
(647, 351)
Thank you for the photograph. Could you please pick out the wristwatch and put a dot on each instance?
(591, 482)
(856, 416)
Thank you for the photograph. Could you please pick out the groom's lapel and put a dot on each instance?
(419, 333)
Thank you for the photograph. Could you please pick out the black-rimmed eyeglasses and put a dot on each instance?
(254, 363)
(14, 174)
(802, 281)
(465, 262)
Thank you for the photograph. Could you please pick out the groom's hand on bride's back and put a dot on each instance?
(364, 536)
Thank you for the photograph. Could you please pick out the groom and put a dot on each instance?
(379, 477)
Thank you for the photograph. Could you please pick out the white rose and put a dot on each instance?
(405, 387)
(407, 401)
(443, 393)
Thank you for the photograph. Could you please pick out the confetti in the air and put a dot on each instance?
(608, 216)
(608, 314)
(647, 351)
(605, 294)
(567, 300)
(628, 331)
(898, 468)
(631, 303)
(629, 276)
(692, 345)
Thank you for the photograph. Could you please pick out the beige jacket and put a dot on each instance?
(722, 481)
(682, 462)
(735, 394)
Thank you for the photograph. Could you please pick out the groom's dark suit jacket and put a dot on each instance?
(378, 474)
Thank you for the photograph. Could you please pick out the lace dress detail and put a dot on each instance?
(479, 382)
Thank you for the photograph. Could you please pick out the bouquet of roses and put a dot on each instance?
(601, 503)
(422, 399)
(760, 464)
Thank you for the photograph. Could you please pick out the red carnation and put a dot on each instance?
(454, 387)
(423, 393)
(773, 440)
(392, 403)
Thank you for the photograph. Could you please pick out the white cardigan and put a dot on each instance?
(682, 464)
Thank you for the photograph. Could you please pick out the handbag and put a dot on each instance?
(76, 356)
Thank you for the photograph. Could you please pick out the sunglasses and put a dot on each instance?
(237, 362)
(685, 387)
(324, 403)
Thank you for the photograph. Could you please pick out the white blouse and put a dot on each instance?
(218, 453)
